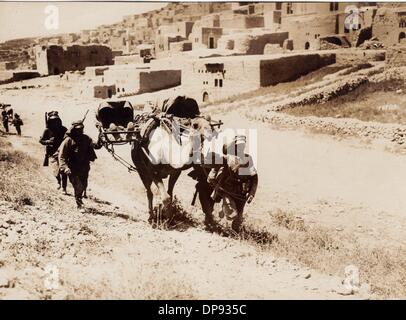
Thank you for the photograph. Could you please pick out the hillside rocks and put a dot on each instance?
(321, 95)
(393, 133)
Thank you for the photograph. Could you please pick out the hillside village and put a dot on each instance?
(210, 45)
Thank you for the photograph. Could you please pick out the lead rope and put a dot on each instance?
(122, 161)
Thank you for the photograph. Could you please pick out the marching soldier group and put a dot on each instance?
(8, 116)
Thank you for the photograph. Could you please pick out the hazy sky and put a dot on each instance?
(27, 19)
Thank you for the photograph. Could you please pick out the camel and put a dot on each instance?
(167, 152)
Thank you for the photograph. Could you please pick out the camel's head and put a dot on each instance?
(202, 125)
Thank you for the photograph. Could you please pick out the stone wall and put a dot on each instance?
(180, 46)
(356, 56)
(396, 56)
(158, 80)
(283, 69)
(130, 59)
(134, 79)
(251, 43)
(239, 21)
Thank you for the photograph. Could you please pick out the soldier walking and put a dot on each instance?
(17, 123)
(75, 154)
(235, 183)
(5, 119)
(52, 138)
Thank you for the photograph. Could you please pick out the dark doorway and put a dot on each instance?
(402, 35)
(307, 46)
(211, 43)
(205, 97)
(109, 93)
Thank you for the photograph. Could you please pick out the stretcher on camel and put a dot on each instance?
(118, 124)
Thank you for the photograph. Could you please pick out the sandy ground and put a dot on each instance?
(342, 185)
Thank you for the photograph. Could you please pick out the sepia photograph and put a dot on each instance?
(179, 151)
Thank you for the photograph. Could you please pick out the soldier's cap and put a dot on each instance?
(53, 115)
(78, 124)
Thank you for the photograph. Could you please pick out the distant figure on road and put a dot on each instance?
(5, 118)
(17, 123)
(75, 154)
(52, 139)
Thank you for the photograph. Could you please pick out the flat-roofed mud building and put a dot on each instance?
(213, 79)
(136, 79)
(52, 60)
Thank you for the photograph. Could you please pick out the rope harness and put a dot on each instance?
(125, 163)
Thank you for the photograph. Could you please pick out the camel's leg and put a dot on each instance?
(166, 199)
(150, 197)
(147, 182)
(173, 177)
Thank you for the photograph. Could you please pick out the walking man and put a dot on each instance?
(75, 154)
(52, 138)
(235, 182)
(5, 119)
(17, 123)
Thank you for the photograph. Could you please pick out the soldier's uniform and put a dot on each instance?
(17, 123)
(52, 138)
(5, 119)
(235, 183)
(75, 154)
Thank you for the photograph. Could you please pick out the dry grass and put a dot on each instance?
(370, 102)
(173, 217)
(20, 182)
(329, 251)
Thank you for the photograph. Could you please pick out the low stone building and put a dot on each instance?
(167, 34)
(56, 59)
(213, 79)
(389, 25)
(133, 79)
(104, 92)
(251, 43)
(205, 37)
(8, 65)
